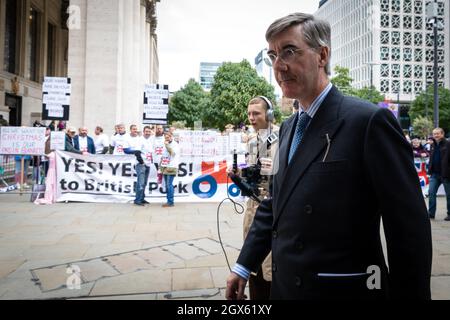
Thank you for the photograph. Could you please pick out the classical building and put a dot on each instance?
(107, 47)
(388, 43)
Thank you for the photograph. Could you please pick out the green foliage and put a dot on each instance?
(343, 82)
(187, 104)
(423, 106)
(422, 127)
(370, 94)
(235, 84)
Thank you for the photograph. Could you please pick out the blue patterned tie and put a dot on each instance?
(302, 123)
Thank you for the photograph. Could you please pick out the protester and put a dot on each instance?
(84, 143)
(169, 166)
(101, 141)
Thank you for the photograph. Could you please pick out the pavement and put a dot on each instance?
(122, 251)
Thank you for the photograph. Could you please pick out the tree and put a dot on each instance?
(370, 94)
(188, 104)
(423, 107)
(422, 126)
(234, 85)
(343, 81)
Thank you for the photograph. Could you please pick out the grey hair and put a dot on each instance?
(316, 32)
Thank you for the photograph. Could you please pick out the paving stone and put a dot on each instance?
(127, 263)
(190, 279)
(216, 260)
(440, 288)
(52, 278)
(148, 281)
(71, 252)
(96, 269)
(185, 251)
(96, 251)
(160, 258)
(123, 237)
(8, 267)
(219, 276)
(207, 244)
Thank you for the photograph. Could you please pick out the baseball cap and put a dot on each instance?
(71, 129)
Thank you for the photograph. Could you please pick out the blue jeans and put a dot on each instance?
(142, 172)
(168, 179)
(435, 181)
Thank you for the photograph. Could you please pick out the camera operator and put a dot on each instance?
(262, 164)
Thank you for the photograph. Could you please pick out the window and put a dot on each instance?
(418, 7)
(418, 71)
(396, 71)
(429, 72)
(407, 6)
(384, 53)
(51, 48)
(429, 40)
(395, 21)
(32, 46)
(395, 5)
(418, 86)
(418, 55)
(395, 54)
(385, 20)
(407, 22)
(384, 86)
(407, 54)
(385, 5)
(407, 71)
(418, 39)
(429, 55)
(9, 63)
(441, 56)
(407, 39)
(396, 38)
(385, 37)
(407, 87)
(418, 23)
(385, 70)
(395, 86)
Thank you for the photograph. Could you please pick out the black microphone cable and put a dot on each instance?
(238, 208)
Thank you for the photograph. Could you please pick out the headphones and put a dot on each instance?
(270, 114)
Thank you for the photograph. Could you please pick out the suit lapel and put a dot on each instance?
(313, 144)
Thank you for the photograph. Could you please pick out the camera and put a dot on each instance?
(249, 181)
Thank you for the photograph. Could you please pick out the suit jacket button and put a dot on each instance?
(274, 267)
(300, 246)
(308, 209)
(275, 234)
(298, 281)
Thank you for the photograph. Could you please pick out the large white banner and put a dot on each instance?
(107, 178)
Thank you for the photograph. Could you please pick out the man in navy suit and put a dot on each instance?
(83, 143)
(344, 166)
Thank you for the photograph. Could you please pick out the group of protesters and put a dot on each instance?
(154, 146)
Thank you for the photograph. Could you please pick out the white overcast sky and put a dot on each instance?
(194, 31)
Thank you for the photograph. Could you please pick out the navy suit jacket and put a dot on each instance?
(323, 222)
(91, 145)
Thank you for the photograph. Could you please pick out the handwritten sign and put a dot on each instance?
(57, 140)
(22, 141)
(56, 98)
(156, 104)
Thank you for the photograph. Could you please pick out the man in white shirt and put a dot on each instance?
(101, 141)
(119, 140)
(143, 150)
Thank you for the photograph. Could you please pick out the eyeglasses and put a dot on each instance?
(287, 55)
